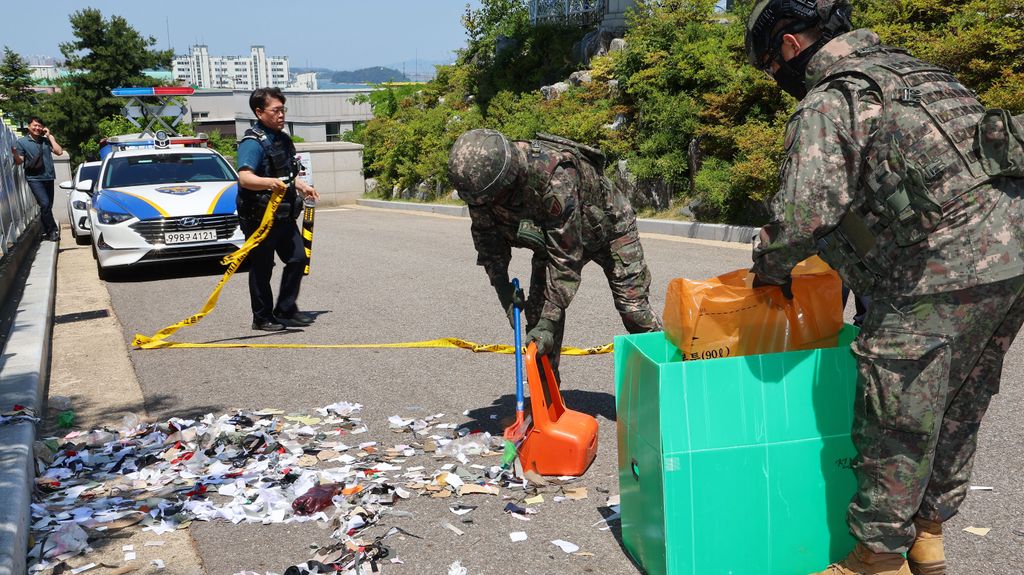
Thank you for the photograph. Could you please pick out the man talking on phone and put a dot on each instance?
(35, 151)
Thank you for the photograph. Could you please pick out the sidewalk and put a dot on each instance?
(23, 381)
(693, 230)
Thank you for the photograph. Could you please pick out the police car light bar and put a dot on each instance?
(157, 91)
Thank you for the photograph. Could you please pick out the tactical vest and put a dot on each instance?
(605, 211)
(922, 158)
(280, 163)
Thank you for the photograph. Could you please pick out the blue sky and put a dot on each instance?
(337, 34)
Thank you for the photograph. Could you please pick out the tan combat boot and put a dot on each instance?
(926, 555)
(863, 561)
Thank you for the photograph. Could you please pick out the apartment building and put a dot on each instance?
(198, 68)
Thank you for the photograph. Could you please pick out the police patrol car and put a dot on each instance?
(80, 189)
(160, 199)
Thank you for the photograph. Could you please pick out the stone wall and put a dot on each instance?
(337, 170)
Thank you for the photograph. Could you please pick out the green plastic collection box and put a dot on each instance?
(738, 465)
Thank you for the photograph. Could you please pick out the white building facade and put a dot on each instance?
(257, 70)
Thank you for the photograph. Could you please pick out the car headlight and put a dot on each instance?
(110, 218)
(78, 205)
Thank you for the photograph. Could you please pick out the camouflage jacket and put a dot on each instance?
(577, 211)
(860, 160)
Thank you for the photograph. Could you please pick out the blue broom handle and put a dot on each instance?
(518, 326)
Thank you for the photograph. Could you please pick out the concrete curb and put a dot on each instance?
(443, 209)
(24, 377)
(695, 230)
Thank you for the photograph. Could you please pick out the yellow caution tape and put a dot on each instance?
(235, 259)
(442, 343)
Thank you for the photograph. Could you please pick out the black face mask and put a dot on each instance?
(792, 75)
(791, 79)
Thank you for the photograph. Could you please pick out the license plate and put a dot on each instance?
(189, 236)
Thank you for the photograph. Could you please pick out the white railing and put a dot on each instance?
(566, 12)
(17, 206)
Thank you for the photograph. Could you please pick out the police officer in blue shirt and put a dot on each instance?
(266, 163)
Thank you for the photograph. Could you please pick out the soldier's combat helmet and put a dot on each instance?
(770, 20)
(484, 165)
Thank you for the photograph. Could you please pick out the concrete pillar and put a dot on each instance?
(337, 170)
(615, 15)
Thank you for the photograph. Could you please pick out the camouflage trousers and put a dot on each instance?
(628, 277)
(929, 366)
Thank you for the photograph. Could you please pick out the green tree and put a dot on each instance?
(106, 53)
(980, 41)
(16, 98)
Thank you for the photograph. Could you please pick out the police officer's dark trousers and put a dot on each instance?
(285, 240)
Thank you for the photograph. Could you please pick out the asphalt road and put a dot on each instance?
(387, 276)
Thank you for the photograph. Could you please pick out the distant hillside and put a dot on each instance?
(374, 75)
(320, 72)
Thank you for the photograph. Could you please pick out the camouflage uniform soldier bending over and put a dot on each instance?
(898, 178)
(549, 195)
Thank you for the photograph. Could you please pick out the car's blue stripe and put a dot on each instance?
(225, 201)
(117, 201)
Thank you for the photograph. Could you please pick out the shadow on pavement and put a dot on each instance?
(596, 403)
(170, 270)
(158, 408)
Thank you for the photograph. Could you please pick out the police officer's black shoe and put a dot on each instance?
(297, 319)
(267, 325)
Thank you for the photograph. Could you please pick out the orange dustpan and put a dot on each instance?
(561, 441)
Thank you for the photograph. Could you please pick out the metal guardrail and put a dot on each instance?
(17, 206)
(566, 12)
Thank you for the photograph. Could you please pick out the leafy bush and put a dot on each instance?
(683, 84)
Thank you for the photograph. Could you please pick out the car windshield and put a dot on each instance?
(166, 169)
(89, 173)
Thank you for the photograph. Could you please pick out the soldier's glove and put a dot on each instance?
(510, 299)
(786, 288)
(543, 334)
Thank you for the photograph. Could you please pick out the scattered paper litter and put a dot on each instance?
(980, 531)
(517, 536)
(577, 493)
(456, 568)
(249, 467)
(534, 500)
(461, 509)
(566, 546)
(454, 529)
(83, 568)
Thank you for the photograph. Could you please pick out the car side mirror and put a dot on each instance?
(66, 185)
(83, 186)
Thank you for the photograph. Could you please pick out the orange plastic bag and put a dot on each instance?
(725, 317)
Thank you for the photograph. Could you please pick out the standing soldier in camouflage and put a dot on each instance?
(549, 195)
(901, 181)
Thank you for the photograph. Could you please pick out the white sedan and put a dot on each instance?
(163, 204)
(80, 190)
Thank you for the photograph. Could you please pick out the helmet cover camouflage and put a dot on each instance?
(484, 165)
